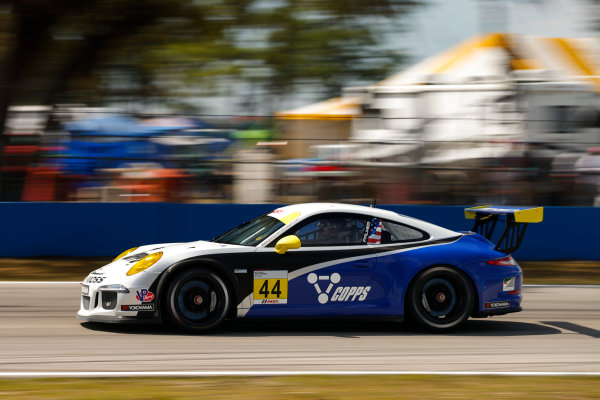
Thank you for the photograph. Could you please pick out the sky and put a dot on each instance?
(443, 23)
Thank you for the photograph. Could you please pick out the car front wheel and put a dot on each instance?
(197, 300)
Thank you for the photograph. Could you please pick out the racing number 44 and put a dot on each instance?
(270, 287)
(276, 289)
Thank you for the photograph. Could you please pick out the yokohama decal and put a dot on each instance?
(138, 307)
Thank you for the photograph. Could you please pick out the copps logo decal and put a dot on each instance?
(341, 293)
(144, 295)
(94, 279)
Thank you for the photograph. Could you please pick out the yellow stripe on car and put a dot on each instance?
(290, 217)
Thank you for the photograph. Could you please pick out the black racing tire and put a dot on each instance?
(440, 298)
(197, 300)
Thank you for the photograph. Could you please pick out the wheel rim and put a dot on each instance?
(197, 301)
(438, 298)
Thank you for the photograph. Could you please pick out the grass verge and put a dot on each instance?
(306, 387)
(48, 269)
(75, 269)
(561, 272)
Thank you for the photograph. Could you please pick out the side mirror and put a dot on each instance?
(286, 243)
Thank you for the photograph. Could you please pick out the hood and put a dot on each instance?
(199, 245)
(172, 253)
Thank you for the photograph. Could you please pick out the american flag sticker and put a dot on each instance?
(375, 231)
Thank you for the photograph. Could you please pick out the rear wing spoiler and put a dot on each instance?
(516, 219)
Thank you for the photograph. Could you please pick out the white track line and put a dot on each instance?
(142, 374)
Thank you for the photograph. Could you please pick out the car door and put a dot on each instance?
(328, 275)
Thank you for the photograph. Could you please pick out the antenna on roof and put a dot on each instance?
(373, 203)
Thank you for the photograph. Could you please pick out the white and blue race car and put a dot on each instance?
(319, 260)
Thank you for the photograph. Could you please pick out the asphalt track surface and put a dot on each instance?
(559, 331)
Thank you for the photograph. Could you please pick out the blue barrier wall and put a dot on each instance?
(106, 229)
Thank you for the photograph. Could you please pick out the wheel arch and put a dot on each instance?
(229, 278)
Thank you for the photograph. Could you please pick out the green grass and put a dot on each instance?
(48, 269)
(561, 272)
(75, 269)
(306, 387)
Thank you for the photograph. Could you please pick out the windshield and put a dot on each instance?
(251, 233)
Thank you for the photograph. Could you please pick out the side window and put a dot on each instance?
(384, 232)
(332, 230)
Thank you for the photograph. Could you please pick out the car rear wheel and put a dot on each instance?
(440, 298)
(197, 300)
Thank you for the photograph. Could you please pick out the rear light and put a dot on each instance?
(504, 261)
(513, 292)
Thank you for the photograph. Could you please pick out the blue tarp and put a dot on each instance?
(116, 126)
(110, 141)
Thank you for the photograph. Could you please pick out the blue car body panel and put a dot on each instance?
(388, 276)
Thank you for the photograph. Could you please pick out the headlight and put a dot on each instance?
(123, 254)
(113, 288)
(145, 263)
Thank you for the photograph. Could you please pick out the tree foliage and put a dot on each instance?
(99, 51)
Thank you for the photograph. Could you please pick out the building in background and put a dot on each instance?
(483, 119)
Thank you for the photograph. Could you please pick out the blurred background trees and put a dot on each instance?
(179, 55)
(228, 56)
(174, 52)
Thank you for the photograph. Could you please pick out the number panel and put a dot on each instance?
(270, 287)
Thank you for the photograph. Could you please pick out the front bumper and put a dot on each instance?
(119, 319)
(102, 300)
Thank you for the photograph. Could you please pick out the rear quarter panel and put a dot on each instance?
(397, 269)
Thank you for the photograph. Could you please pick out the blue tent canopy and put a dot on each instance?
(109, 141)
(114, 125)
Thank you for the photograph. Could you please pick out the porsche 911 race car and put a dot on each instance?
(319, 260)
